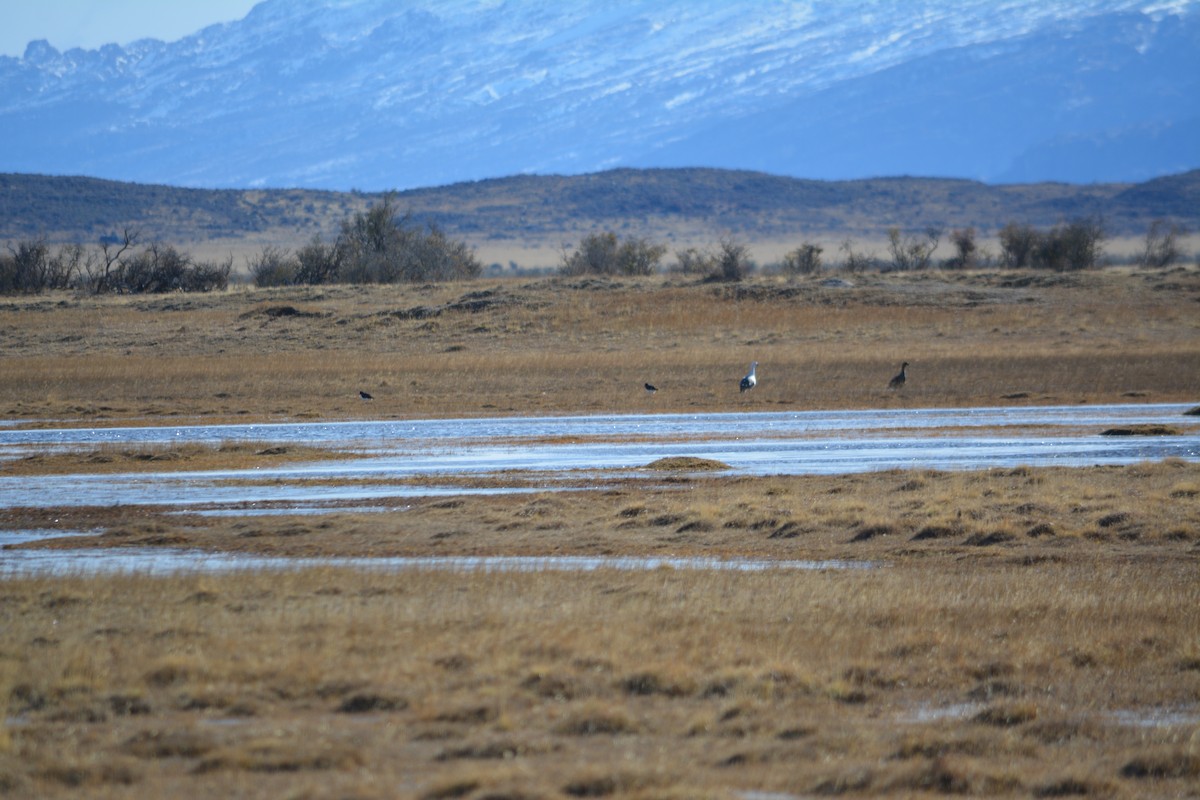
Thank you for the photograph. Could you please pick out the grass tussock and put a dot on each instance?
(717, 681)
(1025, 514)
(165, 458)
(687, 464)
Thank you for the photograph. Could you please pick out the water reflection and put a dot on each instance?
(166, 561)
(392, 434)
(416, 458)
(1133, 718)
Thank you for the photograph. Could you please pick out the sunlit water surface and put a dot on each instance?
(433, 457)
(555, 449)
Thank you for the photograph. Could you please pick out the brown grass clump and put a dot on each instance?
(687, 464)
(152, 458)
(1142, 430)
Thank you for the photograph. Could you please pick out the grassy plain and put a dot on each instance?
(1022, 632)
(545, 346)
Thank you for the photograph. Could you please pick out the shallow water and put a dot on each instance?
(391, 433)
(564, 452)
(167, 561)
(1133, 718)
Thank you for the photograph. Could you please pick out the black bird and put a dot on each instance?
(898, 381)
(750, 381)
(364, 395)
(651, 389)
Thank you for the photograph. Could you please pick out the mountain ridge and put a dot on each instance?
(375, 95)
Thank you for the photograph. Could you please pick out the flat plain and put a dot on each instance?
(1009, 633)
(555, 345)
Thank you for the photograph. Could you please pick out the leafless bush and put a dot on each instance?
(207, 276)
(31, 267)
(1161, 248)
(855, 261)
(316, 262)
(380, 246)
(965, 249)
(119, 267)
(273, 266)
(606, 254)
(1073, 245)
(914, 252)
(103, 272)
(692, 261)
(1018, 242)
(65, 268)
(23, 270)
(732, 261)
(804, 260)
(157, 268)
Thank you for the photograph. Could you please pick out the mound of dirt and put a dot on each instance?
(1141, 430)
(688, 464)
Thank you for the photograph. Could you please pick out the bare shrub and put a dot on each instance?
(1072, 246)
(157, 268)
(913, 252)
(639, 256)
(1161, 247)
(207, 276)
(804, 260)
(732, 261)
(965, 248)
(606, 254)
(31, 267)
(1017, 244)
(316, 262)
(380, 246)
(23, 270)
(103, 272)
(854, 260)
(272, 266)
(692, 261)
(1068, 246)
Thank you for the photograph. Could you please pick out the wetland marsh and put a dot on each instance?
(1017, 627)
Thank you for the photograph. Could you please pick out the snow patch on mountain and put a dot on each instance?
(374, 94)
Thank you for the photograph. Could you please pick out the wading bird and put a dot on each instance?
(898, 381)
(750, 381)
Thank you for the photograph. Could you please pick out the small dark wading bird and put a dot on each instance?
(651, 389)
(750, 381)
(898, 381)
(364, 395)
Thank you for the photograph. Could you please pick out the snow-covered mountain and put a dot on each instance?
(380, 94)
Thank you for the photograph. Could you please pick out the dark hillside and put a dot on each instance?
(1172, 196)
(651, 202)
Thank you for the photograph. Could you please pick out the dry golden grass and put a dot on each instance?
(108, 459)
(1140, 511)
(552, 346)
(1027, 632)
(1005, 678)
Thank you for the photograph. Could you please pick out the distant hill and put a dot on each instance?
(676, 204)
